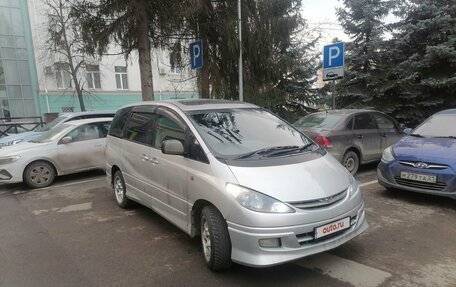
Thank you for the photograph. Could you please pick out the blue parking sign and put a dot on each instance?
(196, 54)
(333, 55)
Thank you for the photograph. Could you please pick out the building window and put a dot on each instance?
(121, 77)
(93, 76)
(63, 76)
(174, 67)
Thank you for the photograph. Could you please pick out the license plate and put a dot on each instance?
(418, 177)
(332, 227)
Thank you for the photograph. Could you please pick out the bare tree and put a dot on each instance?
(64, 44)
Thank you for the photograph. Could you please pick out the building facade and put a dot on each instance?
(18, 78)
(33, 82)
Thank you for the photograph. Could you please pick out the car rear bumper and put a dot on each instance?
(296, 241)
(387, 172)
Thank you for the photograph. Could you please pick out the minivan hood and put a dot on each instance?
(430, 150)
(309, 180)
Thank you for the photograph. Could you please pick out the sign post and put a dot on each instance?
(333, 66)
(196, 54)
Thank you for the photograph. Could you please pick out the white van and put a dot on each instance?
(256, 190)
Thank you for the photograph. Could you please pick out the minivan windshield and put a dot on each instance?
(242, 133)
(52, 134)
(440, 125)
(318, 120)
(52, 124)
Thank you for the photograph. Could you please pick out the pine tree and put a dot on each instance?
(420, 72)
(362, 20)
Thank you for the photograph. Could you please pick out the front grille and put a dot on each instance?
(321, 202)
(439, 186)
(429, 165)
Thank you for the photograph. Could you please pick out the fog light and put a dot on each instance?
(269, 242)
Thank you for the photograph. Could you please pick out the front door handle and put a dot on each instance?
(359, 136)
(144, 157)
(384, 135)
(154, 161)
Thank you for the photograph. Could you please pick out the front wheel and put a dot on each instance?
(215, 239)
(351, 162)
(39, 174)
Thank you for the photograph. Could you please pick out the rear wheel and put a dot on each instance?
(39, 174)
(351, 161)
(120, 190)
(215, 239)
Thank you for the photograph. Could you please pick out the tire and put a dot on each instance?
(39, 174)
(215, 239)
(351, 162)
(120, 190)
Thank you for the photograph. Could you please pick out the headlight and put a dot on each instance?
(387, 155)
(353, 187)
(257, 201)
(8, 159)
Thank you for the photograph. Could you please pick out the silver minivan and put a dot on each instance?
(256, 190)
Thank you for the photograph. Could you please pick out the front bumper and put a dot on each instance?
(386, 173)
(294, 245)
(11, 173)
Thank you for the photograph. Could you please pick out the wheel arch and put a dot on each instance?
(356, 150)
(196, 214)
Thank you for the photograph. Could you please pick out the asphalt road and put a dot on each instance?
(73, 234)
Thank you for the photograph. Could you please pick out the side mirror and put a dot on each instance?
(407, 131)
(66, 140)
(401, 127)
(174, 147)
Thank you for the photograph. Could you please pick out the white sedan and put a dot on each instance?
(69, 148)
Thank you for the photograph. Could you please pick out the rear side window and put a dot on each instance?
(364, 122)
(383, 122)
(118, 123)
(319, 120)
(139, 127)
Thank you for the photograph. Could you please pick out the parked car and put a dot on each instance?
(254, 187)
(425, 160)
(66, 117)
(353, 137)
(71, 147)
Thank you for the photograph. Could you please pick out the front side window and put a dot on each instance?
(93, 76)
(139, 127)
(63, 76)
(383, 122)
(167, 129)
(364, 122)
(121, 77)
(85, 133)
(234, 133)
(440, 125)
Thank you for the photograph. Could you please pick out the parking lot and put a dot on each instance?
(73, 234)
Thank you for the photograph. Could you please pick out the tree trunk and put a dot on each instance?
(204, 74)
(145, 63)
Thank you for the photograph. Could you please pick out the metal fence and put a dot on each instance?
(16, 125)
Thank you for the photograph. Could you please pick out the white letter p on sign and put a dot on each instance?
(333, 55)
(196, 53)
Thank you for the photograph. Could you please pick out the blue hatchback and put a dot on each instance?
(425, 160)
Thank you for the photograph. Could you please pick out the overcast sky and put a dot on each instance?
(321, 16)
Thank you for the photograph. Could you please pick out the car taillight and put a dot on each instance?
(323, 141)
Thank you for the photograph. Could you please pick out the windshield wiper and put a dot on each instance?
(267, 151)
(417, 135)
(291, 150)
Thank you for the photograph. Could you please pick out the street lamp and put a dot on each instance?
(241, 88)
